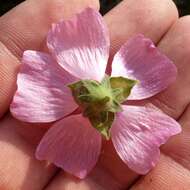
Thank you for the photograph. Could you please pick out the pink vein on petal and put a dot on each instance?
(81, 45)
(139, 59)
(42, 94)
(137, 133)
(72, 144)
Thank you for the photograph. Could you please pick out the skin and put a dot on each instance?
(25, 27)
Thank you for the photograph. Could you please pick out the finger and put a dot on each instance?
(151, 18)
(99, 179)
(25, 27)
(175, 44)
(178, 147)
(8, 70)
(168, 174)
(27, 30)
(152, 14)
(18, 167)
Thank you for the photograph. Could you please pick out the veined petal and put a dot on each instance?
(137, 133)
(81, 45)
(72, 144)
(140, 60)
(41, 94)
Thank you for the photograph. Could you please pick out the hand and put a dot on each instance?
(25, 27)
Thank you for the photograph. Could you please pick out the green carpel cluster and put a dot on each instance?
(100, 101)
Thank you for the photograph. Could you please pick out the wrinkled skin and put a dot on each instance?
(25, 27)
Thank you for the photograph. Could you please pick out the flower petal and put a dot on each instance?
(137, 134)
(72, 144)
(41, 95)
(81, 45)
(140, 60)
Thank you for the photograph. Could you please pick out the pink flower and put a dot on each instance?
(52, 86)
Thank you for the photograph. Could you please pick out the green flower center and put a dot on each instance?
(100, 101)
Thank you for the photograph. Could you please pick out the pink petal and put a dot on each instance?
(139, 59)
(137, 134)
(72, 144)
(42, 95)
(81, 45)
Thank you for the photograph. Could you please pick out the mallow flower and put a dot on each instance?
(52, 86)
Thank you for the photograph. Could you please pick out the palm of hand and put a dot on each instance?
(18, 140)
